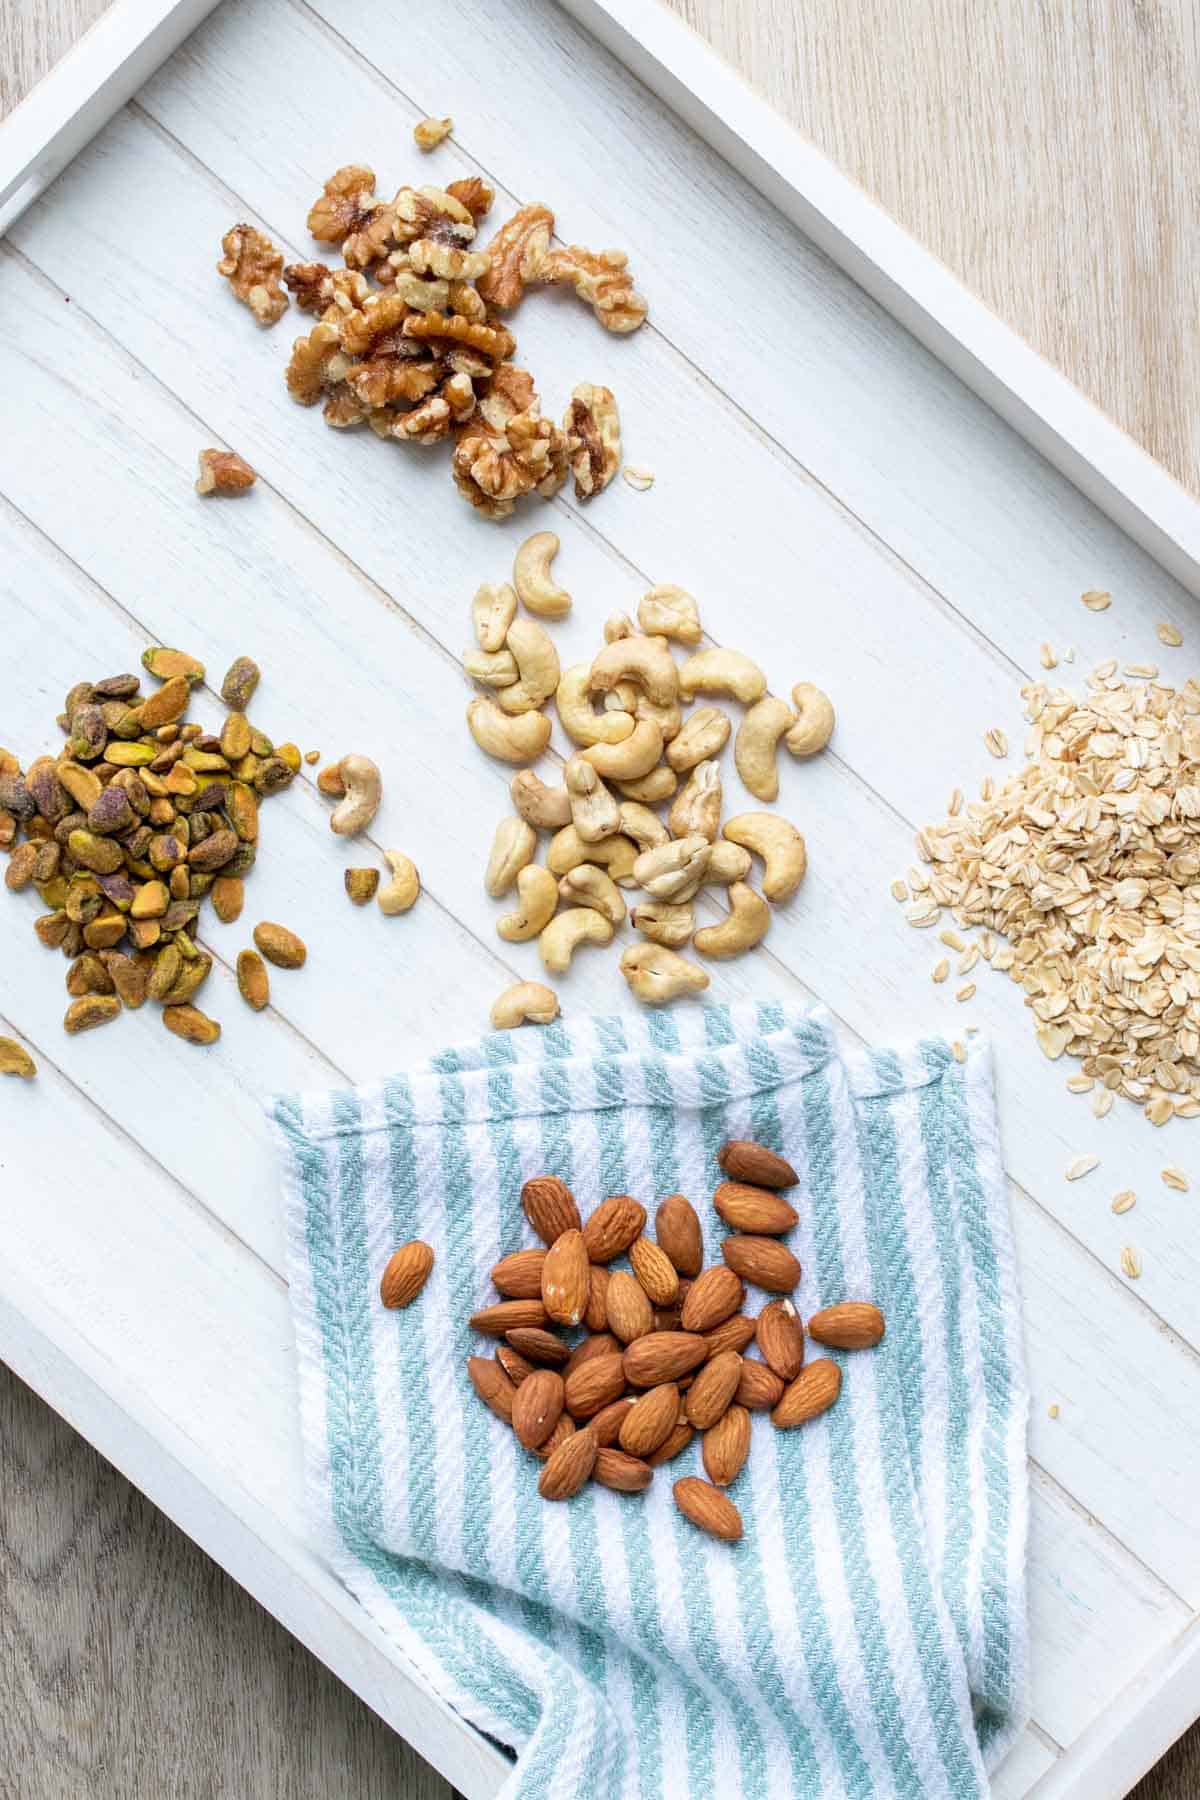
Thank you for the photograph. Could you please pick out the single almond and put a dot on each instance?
(509, 1315)
(713, 1389)
(764, 1261)
(630, 1314)
(599, 1343)
(677, 1228)
(538, 1345)
(550, 1207)
(565, 1428)
(663, 1356)
(726, 1446)
(731, 1334)
(596, 1316)
(608, 1421)
(537, 1407)
(707, 1507)
(655, 1271)
(759, 1388)
(756, 1209)
(624, 1474)
(851, 1325)
(515, 1366)
(781, 1339)
(492, 1385)
(744, 1160)
(613, 1227)
(569, 1466)
(712, 1298)
(681, 1436)
(566, 1279)
(519, 1276)
(594, 1385)
(650, 1421)
(813, 1392)
(406, 1274)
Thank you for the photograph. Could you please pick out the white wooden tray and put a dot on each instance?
(844, 507)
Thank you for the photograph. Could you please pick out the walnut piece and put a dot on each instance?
(224, 472)
(429, 133)
(346, 204)
(318, 368)
(602, 278)
(310, 285)
(517, 253)
(593, 432)
(473, 193)
(508, 449)
(431, 420)
(251, 265)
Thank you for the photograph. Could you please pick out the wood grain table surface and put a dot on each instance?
(1048, 155)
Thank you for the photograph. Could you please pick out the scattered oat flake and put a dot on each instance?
(1103, 1103)
(1159, 1109)
(1170, 635)
(1131, 1262)
(955, 803)
(940, 970)
(1080, 1084)
(987, 788)
(899, 890)
(1175, 1178)
(638, 477)
(959, 1051)
(1080, 1166)
(1052, 1412)
(1047, 657)
(1096, 600)
(1124, 1201)
(1142, 671)
(951, 940)
(968, 959)
(966, 992)
(996, 741)
(1068, 654)
(923, 913)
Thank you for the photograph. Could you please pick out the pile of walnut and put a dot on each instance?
(423, 353)
(666, 1350)
(625, 710)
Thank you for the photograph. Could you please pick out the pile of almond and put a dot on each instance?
(666, 1350)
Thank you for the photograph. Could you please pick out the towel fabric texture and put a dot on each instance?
(867, 1637)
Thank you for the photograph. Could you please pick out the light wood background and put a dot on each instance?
(1048, 155)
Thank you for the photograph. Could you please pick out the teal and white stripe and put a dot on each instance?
(867, 1638)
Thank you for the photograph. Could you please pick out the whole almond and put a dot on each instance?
(677, 1228)
(624, 1474)
(537, 1406)
(566, 1279)
(569, 1466)
(565, 1428)
(538, 1345)
(596, 1316)
(764, 1261)
(726, 1446)
(594, 1385)
(781, 1339)
(852, 1325)
(550, 1207)
(663, 1356)
(708, 1508)
(711, 1298)
(406, 1274)
(599, 1343)
(613, 1227)
(681, 1436)
(759, 1388)
(713, 1389)
(756, 1209)
(519, 1276)
(630, 1314)
(650, 1421)
(492, 1385)
(730, 1334)
(509, 1315)
(515, 1366)
(655, 1271)
(744, 1160)
(608, 1421)
(814, 1390)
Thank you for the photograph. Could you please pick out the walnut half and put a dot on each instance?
(593, 431)
(251, 265)
(602, 278)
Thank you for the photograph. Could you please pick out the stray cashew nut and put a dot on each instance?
(656, 974)
(645, 660)
(747, 924)
(703, 735)
(594, 812)
(722, 672)
(514, 740)
(537, 666)
(514, 845)
(649, 790)
(531, 577)
(493, 668)
(814, 723)
(493, 610)
(697, 805)
(633, 757)
(537, 903)
(674, 871)
(618, 625)
(756, 743)
(670, 612)
(364, 790)
(588, 885)
(400, 892)
(525, 1002)
(546, 807)
(643, 826)
(578, 719)
(728, 862)
(567, 931)
(669, 922)
(778, 843)
(616, 854)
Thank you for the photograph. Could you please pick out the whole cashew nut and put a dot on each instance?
(398, 894)
(633, 757)
(537, 903)
(645, 660)
(669, 922)
(722, 672)
(748, 922)
(669, 611)
(364, 790)
(705, 734)
(728, 862)
(778, 843)
(649, 790)
(674, 871)
(494, 668)
(697, 805)
(514, 845)
(565, 933)
(588, 885)
(814, 724)
(513, 740)
(493, 610)
(546, 807)
(537, 666)
(656, 974)
(525, 1001)
(643, 826)
(755, 745)
(616, 854)
(594, 812)
(578, 719)
(618, 625)
(531, 577)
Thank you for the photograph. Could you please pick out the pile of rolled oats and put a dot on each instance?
(409, 339)
(1083, 872)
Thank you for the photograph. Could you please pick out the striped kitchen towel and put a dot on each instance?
(867, 1636)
